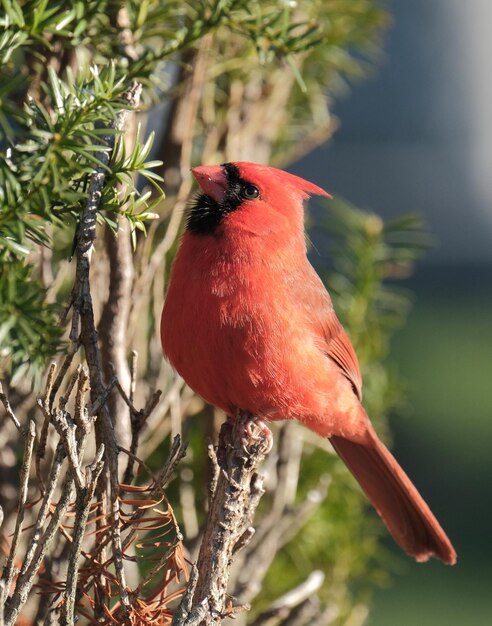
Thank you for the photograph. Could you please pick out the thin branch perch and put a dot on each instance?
(26, 467)
(233, 503)
(83, 505)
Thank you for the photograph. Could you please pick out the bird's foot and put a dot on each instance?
(253, 432)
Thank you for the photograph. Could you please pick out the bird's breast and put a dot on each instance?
(237, 334)
(221, 330)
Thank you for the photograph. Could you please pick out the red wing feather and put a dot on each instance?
(342, 352)
(311, 292)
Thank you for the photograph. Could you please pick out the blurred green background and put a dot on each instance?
(418, 138)
(444, 441)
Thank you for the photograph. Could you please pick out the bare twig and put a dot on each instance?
(68, 391)
(3, 597)
(327, 616)
(81, 414)
(67, 361)
(83, 504)
(302, 614)
(290, 446)
(26, 466)
(212, 453)
(49, 383)
(66, 429)
(40, 542)
(274, 532)
(43, 437)
(26, 579)
(49, 491)
(8, 409)
(103, 398)
(186, 614)
(133, 375)
(138, 418)
(283, 605)
(244, 540)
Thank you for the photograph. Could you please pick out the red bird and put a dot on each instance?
(249, 325)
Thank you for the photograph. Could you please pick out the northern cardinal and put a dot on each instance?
(249, 325)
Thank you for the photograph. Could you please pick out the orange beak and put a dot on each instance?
(212, 181)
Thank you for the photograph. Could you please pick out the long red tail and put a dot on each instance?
(395, 498)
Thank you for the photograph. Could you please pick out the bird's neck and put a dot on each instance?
(226, 265)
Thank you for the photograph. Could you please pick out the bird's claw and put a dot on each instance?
(254, 432)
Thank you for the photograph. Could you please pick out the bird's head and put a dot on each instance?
(248, 197)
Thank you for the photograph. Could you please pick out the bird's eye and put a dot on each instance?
(250, 192)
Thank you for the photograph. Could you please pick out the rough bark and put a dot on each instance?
(236, 494)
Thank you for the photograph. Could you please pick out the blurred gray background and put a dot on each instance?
(417, 137)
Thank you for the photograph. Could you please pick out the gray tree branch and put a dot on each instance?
(236, 496)
(84, 316)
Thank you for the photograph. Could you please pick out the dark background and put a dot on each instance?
(418, 138)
